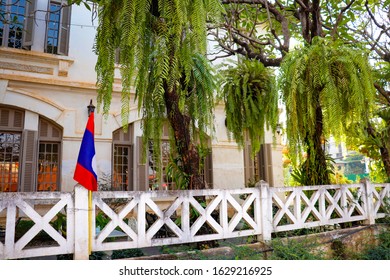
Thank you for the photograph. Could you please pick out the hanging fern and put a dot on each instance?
(251, 101)
(162, 52)
(327, 88)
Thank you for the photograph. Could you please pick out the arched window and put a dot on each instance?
(29, 159)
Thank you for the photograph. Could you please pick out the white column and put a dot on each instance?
(40, 26)
(81, 224)
(265, 210)
(369, 202)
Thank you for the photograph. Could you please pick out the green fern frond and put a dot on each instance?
(251, 101)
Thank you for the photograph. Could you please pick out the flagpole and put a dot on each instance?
(89, 222)
(85, 172)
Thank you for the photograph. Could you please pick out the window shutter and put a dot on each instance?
(63, 36)
(268, 153)
(28, 33)
(4, 118)
(142, 167)
(11, 119)
(248, 162)
(117, 55)
(208, 169)
(130, 183)
(265, 161)
(29, 161)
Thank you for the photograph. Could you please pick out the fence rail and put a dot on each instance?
(142, 219)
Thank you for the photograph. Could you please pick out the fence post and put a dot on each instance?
(81, 223)
(368, 194)
(265, 210)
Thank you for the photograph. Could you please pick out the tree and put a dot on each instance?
(162, 53)
(262, 30)
(327, 88)
(373, 28)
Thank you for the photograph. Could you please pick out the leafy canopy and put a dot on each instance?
(162, 46)
(329, 74)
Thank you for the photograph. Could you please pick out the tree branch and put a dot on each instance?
(372, 16)
(247, 51)
(340, 17)
(383, 92)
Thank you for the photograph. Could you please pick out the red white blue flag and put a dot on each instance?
(85, 173)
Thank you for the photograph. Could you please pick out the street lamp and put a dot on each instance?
(278, 129)
(91, 108)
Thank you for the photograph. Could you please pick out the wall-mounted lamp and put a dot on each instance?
(278, 129)
(91, 108)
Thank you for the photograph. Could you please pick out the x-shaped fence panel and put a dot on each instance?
(174, 217)
(381, 199)
(21, 208)
(309, 206)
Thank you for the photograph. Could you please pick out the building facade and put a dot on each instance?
(47, 80)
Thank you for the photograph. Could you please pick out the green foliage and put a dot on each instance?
(251, 101)
(290, 249)
(101, 220)
(126, 253)
(59, 223)
(382, 250)
(162, 50)
(327, 88)
(301, 175)
(175, 173)
(246, 253)
(97, 256)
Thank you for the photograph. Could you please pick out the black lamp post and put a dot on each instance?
(278, 129)
(91, 108)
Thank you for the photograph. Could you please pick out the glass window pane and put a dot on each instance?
(48, 163)
(121, 168)
(9, 161)
(53, 28)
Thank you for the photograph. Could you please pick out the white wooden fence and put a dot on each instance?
(178, 217)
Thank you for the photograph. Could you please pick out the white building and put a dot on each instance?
(47, 80)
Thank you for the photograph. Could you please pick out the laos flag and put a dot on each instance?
(85, 173)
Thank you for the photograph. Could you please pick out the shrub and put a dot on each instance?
(126, 253)
(294, 250)
(382, 250)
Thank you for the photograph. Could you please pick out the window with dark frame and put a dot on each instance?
(53, 27)
(154, 182)
(48, 166)
(127, 160)
(257, 167)
(17, 22)
(122, 163)
(10, 143)
(11, 134)
(122, 167)
(12, 23)
(49, 156)
(57, 28)
(166, 183)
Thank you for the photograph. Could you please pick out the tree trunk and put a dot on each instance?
(185, 147)
(386, 159)
(384, 151)
(316, 168)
